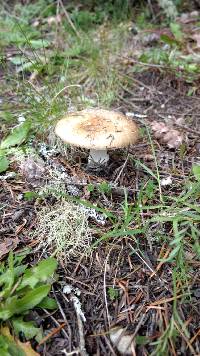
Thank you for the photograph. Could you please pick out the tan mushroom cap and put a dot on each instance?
(97, 129)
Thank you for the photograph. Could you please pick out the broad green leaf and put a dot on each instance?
(36, 44)
(4, 164)
(28, 328)
(18, 135)
(8, 308)
(15, 306)
(3, 346)
(196, 171)
(39, 273)
(6, 279)
(48, 303)
(32, 299)
(10, 278)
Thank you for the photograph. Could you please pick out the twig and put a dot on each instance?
(185, 338)
(83, 351)
(129, 103)
(185, 128)
(52, 333)
(69, 19)
(165, 300)
(66, 87)
(145, 64)
(80, 316)
(57, 323)
(74, 352)
(149, 267)
(161, 262)
(121, 170)
(59, 306)
(104, 287)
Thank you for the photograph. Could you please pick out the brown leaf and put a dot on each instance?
(168, 135)
(122, 341)
(25, 346)
(196, 37)
(54, 19)
(7, 245)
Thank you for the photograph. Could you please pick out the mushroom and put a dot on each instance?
(97, 130)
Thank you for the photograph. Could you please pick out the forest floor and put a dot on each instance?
(135, 268)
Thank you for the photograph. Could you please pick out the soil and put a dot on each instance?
(114, 264)
(137, 304)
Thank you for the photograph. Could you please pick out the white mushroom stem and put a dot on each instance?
(98, 157)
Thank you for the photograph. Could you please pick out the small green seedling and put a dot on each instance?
(113, 293)
(21, 290)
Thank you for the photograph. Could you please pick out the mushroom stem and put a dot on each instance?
(98, 157)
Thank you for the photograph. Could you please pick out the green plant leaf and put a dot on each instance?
(30, 195)
(32, 298)
(40, 43)
(48, 303)
(196, 172)
(16, 306)
(141, 340)
(9, 348)
(28, 328)
(39, 273)
(176, 30)
(18, 135)
(113, 293)
(9, 277)
(169, 40)
(4, 164)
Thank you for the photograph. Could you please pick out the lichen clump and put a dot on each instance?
(63, 230)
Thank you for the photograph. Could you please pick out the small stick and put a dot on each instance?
(79, 314)
(121, 170)
(57, 323)
(83, 351)
(69, 19)
(188, 129)
(52, 333)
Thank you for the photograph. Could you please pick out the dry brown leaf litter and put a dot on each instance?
(168, 135)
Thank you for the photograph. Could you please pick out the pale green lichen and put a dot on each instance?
(169, 8)
(63, 230)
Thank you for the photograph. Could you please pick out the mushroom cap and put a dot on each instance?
(97, 129)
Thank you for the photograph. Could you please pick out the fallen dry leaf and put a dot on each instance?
(173, 138)
(20, 347)
(196, 37)
(33, 169)
(7, 245)
(166, 181)
(54, 19)
(122, 341)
